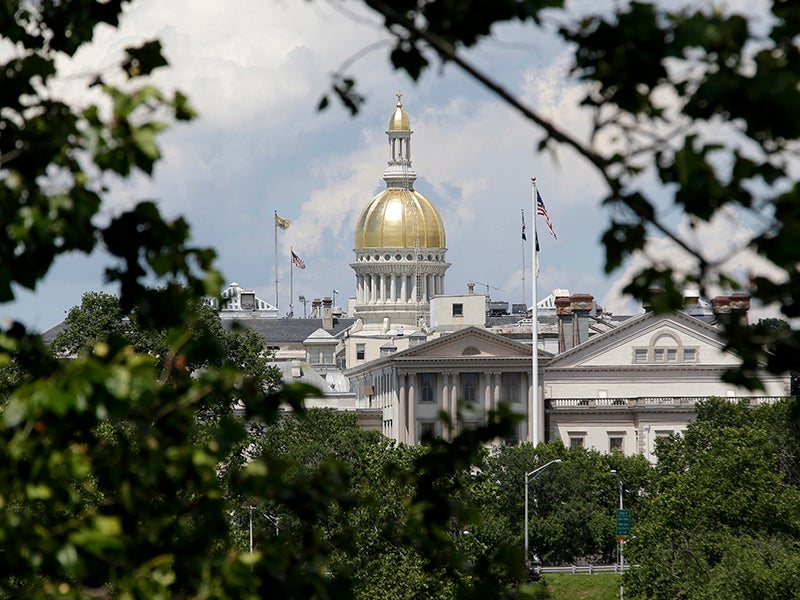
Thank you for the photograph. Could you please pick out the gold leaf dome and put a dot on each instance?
(400, 218)
(399, 120)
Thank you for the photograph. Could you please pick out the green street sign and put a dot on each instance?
(623, 522)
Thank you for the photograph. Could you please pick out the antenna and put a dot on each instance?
(487, 286)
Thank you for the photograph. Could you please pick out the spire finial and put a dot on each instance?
(399, 103)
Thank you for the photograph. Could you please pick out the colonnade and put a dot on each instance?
(447, 398)
(397, 288)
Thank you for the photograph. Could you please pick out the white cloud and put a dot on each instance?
(723, 241)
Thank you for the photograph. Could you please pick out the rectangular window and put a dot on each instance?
(689, 355)
(510, 387)
(426, 384)
(576, 438)
(658, 354)
(615, 443)
(427, 429)
(458, 310)
(672, 355)
(360, 351)
(640, 355)
(469, 388)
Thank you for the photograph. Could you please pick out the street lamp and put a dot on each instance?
(304, 301)
(621, 559)
(528, 478)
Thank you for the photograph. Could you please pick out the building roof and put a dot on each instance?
(282, 331)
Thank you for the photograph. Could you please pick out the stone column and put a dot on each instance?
(446, 401)
(487, 395)
(412, 412)
(403, 288)
(402, 400)
(454, 403)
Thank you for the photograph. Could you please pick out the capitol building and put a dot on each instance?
(405, 351)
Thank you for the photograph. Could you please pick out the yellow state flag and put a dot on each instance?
(282, 223)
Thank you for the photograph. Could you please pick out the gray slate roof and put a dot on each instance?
(282, 331)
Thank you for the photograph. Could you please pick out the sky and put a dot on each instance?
(256, 75)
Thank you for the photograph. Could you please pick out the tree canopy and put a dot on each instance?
(722, 518)
(691, 102)
(109, 487)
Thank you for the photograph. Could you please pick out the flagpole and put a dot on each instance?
(522, 245)
(275, 225)
(291, 281)
(533, 410)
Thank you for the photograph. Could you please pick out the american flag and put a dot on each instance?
(297, 261)
(523, 225)
(541, 210)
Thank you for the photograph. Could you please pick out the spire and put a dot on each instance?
(399, 174)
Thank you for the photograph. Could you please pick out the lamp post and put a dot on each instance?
(528, 478)
(303, 300)
(621, 559)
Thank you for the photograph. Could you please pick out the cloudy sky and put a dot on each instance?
(256, 75)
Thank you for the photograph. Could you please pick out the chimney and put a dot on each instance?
(316, 308)
(471, 288)
(582, 305)
(691, 300)
(565, 325)
(327, 314)
(737, 303)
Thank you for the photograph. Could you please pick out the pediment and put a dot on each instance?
(618, 347)
(468, 343)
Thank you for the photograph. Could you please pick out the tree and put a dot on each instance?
(696, 103)
(722, 521)
(100, 317)
(109, 486)
(571, 506)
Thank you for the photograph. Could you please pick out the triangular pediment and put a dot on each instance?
(466, 343)
(619, 347)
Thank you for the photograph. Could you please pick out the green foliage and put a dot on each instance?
(699, 98)
(571, 505)
(723, 519)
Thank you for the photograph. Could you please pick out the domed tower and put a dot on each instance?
(400, 242)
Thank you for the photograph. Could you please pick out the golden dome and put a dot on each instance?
(397, 218)
(399, 120)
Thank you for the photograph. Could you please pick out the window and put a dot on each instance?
(360, 351)
(615, 442)
(510, 387)
(458, 309)
(664, 347)
(427, 429)
(576, 438)
(469, 388)
(427, 381)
